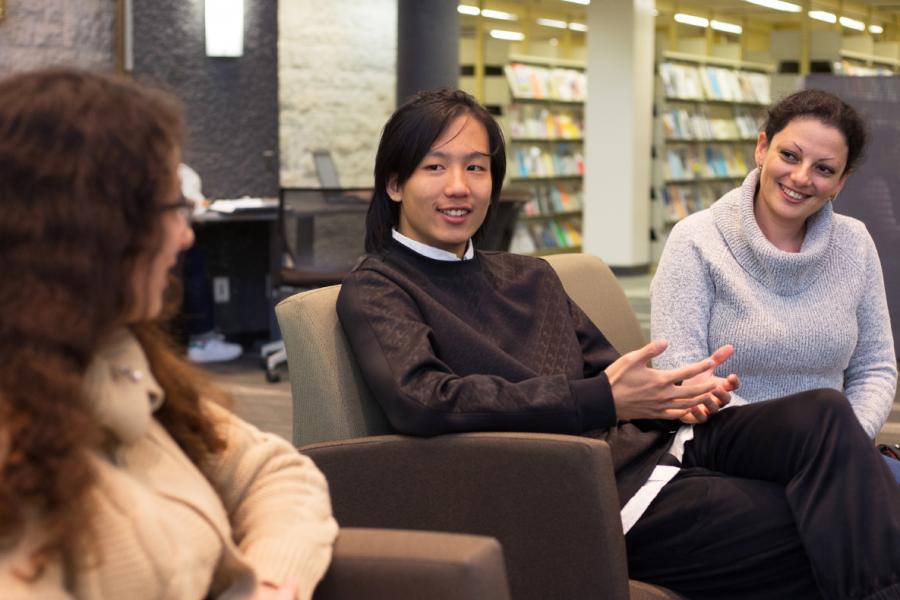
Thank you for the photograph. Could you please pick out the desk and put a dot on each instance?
(239, 251)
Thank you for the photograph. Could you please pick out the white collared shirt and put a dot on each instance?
(431, 251)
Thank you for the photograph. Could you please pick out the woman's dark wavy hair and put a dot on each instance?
(827, 108)
(86, 160)
(408, 136)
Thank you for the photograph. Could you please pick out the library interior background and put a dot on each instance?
(621, 117)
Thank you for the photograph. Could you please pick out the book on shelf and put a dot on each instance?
(535, 161)
(710, 123)
(707, 161)
(536, 121)
(553, 197)
(546, 83)
(696, 82)
(521, 241)
(533, 236)
(681, 200)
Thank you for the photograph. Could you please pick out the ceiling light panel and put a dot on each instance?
(777, 5)
(726, 27)
(576, 26)
(852, 24)
(466, 9)
(498, 14)
(691, 20)
(511, 36)
(555, 23)
(822, 15)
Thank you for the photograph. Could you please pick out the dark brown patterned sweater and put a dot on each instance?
(492, 343)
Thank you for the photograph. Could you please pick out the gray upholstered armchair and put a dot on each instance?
(550, 500)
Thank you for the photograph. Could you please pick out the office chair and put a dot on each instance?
(322, 233)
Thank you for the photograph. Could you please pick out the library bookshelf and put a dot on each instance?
(544, 125)
(707, 117)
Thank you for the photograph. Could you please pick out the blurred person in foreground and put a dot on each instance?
(120, 476)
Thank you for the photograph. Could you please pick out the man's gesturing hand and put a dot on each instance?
(641, 392)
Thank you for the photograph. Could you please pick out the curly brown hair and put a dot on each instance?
(85, 162)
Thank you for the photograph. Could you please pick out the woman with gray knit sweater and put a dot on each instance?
(772, 270)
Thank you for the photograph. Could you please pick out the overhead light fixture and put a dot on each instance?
(224, 28)
(552, 23)
(498, 14)
(852, 24)
(691, 20)
(876, 29)
(468, 9)
(821, 15)
(777, 5)
(583, 2)
(576, 26)
(512, 36)
(726, 27)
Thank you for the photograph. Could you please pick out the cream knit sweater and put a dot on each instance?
(817, 318)
(163, 531)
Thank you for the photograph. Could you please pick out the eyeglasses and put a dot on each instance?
(184, 206)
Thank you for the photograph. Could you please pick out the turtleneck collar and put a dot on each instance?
(121, 389)
(785, 273)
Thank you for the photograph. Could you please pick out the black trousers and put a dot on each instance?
(781, 499)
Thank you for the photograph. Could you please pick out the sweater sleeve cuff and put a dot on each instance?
(595, 402)
(275, 562)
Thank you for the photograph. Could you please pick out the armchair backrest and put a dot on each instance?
(331, 400)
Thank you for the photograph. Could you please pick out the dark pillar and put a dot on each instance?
(231, 103)
(427, 46)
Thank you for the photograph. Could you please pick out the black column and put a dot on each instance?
(231, 103)
(427, 46)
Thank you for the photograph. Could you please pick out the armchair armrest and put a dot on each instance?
(383, 564)
(550, 500)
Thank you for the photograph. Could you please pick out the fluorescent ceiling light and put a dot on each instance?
(224, 27)
(467, 9)
(498, 14)
(777, 5)
(691, 20)
(726, 27)
(585, 2)
(852, 24)
(821, 15)
(552, 23)
(576, 26)
(512, 36)
(876, 29)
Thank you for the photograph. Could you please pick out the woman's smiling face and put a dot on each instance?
(802, 168)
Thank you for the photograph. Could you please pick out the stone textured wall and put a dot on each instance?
(337, 74)
(231, 103)
(41, 33)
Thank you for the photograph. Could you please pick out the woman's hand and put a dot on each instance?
(273, 591)
(641, 392)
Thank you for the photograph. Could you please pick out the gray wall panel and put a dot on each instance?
(231, 103)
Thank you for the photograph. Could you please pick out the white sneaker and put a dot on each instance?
(212, 349)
